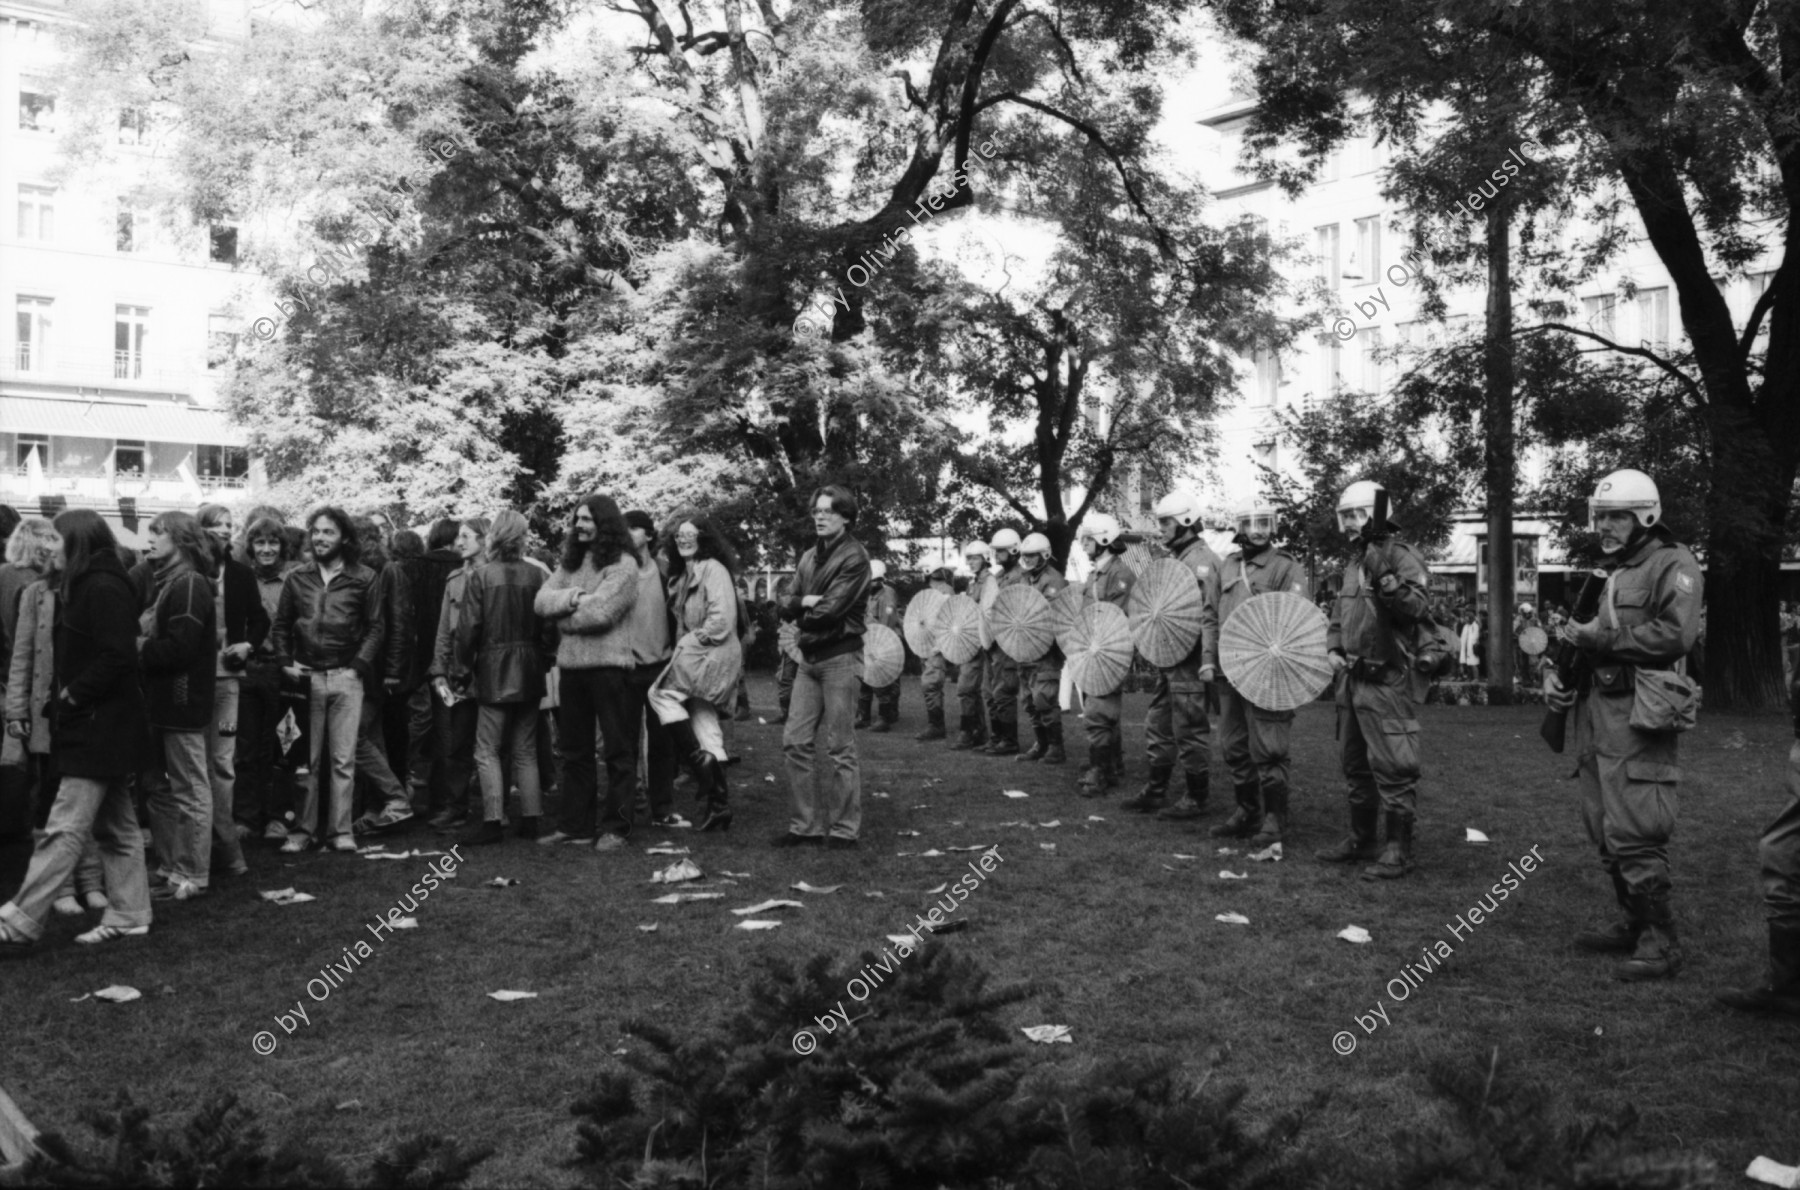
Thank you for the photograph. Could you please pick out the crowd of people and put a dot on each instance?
(341, 665)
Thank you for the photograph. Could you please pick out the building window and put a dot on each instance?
(82, 457)
(134, 126)
(128, 460)
(1263, 453)
(1599, 313)
(1330, 168)
(224, 244)
(221, 340)
(37, 105)
(131, 335)
(37, 213)
(125, 235)
(1653, 318)
(1331, 364)
(1366, 260)
(1406, 335)
(222, 466)
(31, 352)
(1325, 242)
(1371, 343)
(30, 447)
(1268, 376)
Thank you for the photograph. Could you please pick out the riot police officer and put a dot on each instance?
(937, 671)
(1109, 581)
(1040, 682)
(1648, 621)
(1255, 740)
(1003, 671)
(1381, 601)
(1176, 724)
(971, 680)
(881, 606)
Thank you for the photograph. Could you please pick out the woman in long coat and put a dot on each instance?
(702, 676)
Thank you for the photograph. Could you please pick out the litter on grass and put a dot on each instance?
(879, 793)
(648, 927)
(1178, 855)
(907, 834)
(1054, 822)
(1774, 1173)
(1226, 851)
(1355, 934)
(506, 995)
(735, 875)
(932, 892)
(1048, 1034)
(1474, 836)
(676, 898)
(287, 896)
(755, 924)
(765, 906)
(675, 873)
(932, 854)
(769, 777)
(874, 893)
(1047, 846)
(1228, 875)
(1272, 852)
(1233, 919)
(1014, 793)
(803, 886)
(500, 882)
(1095, 818)
(118, 993)
(665, 849)
(405, 923)
(982, 847)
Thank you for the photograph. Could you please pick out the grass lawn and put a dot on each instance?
(1119, 933)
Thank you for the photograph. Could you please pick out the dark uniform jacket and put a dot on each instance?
(1650, 607)
(1244, 578)
(1198, 557)
(1383, 596)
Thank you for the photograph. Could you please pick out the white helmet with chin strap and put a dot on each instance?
(977, 549)
(1035, 545)
(1101, 527)
(1626, 491)
(1359, 497)
(877, 570)
(1005, 539)
(1181, 506)
(1253, 516)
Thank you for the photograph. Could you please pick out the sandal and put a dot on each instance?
(101, 934)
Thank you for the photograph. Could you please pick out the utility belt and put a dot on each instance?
(1617, 677)
(1368, 669)
(1663, 699)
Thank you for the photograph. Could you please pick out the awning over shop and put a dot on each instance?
(150, 421)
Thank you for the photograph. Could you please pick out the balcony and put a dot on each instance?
(126, 370)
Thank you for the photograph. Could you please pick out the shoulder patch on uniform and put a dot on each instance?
(1202, 569)
(1299, 587)
(1685, 582)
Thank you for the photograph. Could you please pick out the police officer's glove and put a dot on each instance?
(1556, 695)
(1338, 662)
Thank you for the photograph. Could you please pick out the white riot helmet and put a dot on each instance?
(877, 570)
(1035, 545)
(1181, 506)
(1005, 539)
(1358, 497)
(1102, 528)
(1256, 519)
(976, 550)
(1626, 491)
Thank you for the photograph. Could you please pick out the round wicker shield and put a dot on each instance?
(787, 637)
(1100, 649)
(1165, 608)
(921, 623)
(1020, 623)
(1063, 610)
(883, 656)
(1273, 650)
(1533, 640)
(959, 630)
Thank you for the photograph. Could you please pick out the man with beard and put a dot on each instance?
(972, 679)
(1626, 750)
(1041, 681)
(881, 608)
(1110, 581)
(938, 672)
(1177, 724)
(1255, 740)
(1003, 671)
(395, 608)
(328, 632)
(1380, 602)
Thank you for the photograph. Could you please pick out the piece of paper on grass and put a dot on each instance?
(1272, 853)
(979, 847)
(1355, 934)
(649, 927)
(676, 898)
(907, 834)
(1225, 874)
(1773, 1173)
(500, 882)
(675, 873)
(404, 923)
(287, 896)
(803, 886)
(118, 993)
(1232, 919)
(1474, 836)
(665, 849)
(765, 906)
(1178, 855)
(756, 924)
(1048, 1034)
(1014, 793)
(506, 995)
(932, 892)
(735, 875)
(1047, 846)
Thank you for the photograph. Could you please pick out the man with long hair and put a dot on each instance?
(99, 737)
(260, 804)
(610, 624)
(501, 641)
(329, 631)
(830, 587)
(178, 651)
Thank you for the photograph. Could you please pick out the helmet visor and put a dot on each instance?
(1256, 524)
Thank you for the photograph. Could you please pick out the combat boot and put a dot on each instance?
(967, 739)
(1156, 791)
(1658, 953)
(1093, 780)
(1040, 745)
(1054, 754)
(1396, 859)
(1782, 994)
(1622, 936)
(1194, 804)
(1115, 763)
(1274, 819)
(1006, 740)
(934, 726)
(1362, 844)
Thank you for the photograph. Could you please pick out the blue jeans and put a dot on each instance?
(181, 808)
(821, 714)
(515, 725)
(85, 804)
(336, 702)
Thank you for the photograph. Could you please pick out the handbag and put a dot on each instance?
(1663, 700)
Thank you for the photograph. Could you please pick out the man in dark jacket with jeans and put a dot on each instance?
(329, 630)
(827, 607)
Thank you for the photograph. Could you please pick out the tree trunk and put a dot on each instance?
(1743, 569)
(1497, 418)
